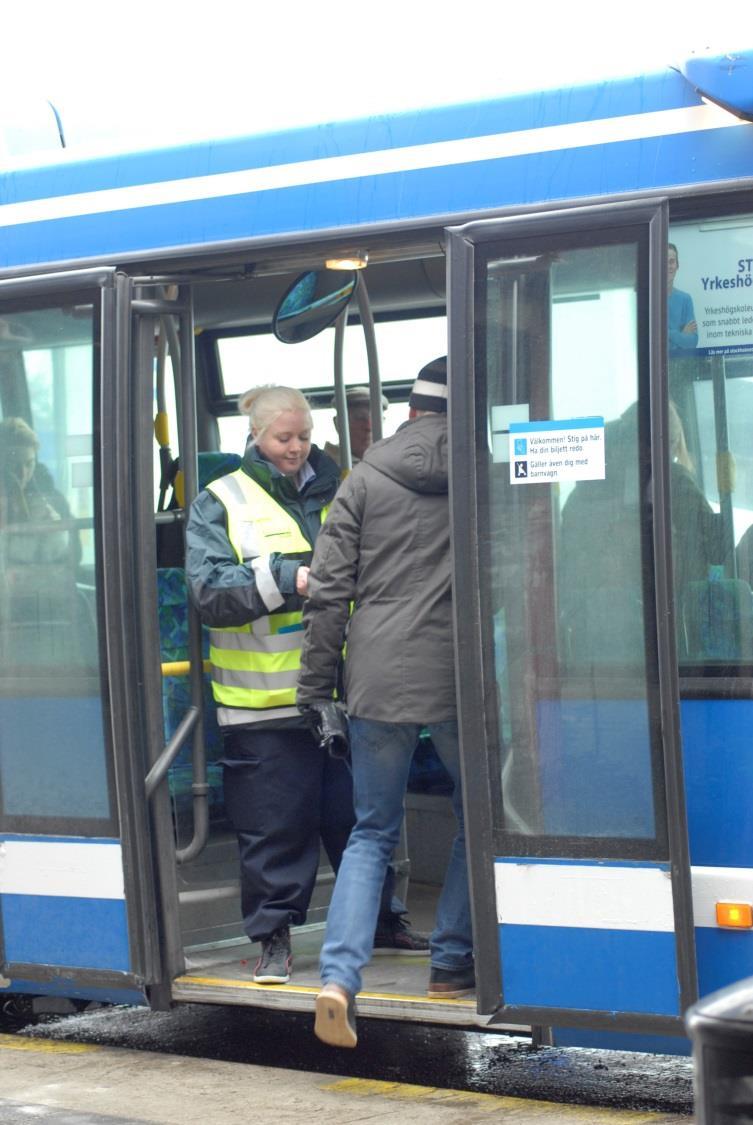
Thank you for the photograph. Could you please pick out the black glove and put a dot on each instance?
(329, 725)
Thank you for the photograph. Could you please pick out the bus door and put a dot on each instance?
(194, 849)
(566, 649)
(77, 912)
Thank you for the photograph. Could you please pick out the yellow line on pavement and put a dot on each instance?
(515, 1108)
(20, 1043)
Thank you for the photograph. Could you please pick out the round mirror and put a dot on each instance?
(312, 303)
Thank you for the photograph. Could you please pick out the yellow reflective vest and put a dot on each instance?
(255, 666)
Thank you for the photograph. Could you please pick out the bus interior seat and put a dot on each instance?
(717, 620)
(210, 465)
(172, 600)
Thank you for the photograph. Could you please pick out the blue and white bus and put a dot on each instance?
(586, 257)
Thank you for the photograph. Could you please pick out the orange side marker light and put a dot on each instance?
(735, 915)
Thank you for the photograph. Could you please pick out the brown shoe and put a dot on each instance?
(335, 1022)
(449, 984)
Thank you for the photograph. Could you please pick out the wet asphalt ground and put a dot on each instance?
(424, 1055)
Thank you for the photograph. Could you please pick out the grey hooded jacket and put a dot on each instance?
(385, 547)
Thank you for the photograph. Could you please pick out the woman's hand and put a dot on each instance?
(302, 581)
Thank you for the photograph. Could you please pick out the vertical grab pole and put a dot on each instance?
(375, 383)
(188, 443)
(724, 467)
(341, 402)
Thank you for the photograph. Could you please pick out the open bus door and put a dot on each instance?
(77, 885)
(195, 844)
(565, 632)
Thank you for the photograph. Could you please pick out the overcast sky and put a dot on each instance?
(154, 72)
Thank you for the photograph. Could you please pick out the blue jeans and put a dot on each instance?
(381, 756)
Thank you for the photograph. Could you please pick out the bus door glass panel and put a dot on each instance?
(570, 559)
(61, 874)
(583, 889)
(711, 395)
(53, 766)
(711, 391)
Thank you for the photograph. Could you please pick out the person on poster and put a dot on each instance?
(681, 322)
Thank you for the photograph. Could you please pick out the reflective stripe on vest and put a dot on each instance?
(255, 666)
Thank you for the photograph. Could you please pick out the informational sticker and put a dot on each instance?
(546, 452)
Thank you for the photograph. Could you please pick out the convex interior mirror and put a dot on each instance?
(312, 303)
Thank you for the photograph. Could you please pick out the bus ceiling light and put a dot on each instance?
(734, 915)
(356, 261)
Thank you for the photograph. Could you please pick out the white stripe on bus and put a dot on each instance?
(62, 869)
(603, 897)
(437, 154)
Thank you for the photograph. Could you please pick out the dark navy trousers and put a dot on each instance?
(283, 795)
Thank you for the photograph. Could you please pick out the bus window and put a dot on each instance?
(249, 359)
(50, 707)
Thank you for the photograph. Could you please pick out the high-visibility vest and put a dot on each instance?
(255, 666)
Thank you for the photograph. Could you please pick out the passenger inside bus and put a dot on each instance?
(696, 526)
(41, 612)
(359, 424)
(601, 588)
(249, 539)
(29, 496)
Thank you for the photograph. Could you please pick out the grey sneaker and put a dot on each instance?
(273, 967)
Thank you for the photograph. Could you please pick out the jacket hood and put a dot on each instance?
(416, 456)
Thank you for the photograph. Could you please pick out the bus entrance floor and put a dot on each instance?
(69, 1083)
(394, 984)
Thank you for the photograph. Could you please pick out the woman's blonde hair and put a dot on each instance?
(264, 404)
(16, 434)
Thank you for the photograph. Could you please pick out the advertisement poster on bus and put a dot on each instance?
(710, 273)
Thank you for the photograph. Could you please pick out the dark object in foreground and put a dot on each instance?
(721, 1027)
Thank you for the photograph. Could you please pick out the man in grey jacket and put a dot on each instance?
(384, 552)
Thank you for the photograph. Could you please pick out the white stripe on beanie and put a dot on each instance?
(427, 387)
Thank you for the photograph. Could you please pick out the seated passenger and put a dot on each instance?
(696, 528)
(601, 563)
(359, 424)
(40, 612)
(28, 496)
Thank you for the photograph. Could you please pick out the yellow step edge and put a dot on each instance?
(310, 990)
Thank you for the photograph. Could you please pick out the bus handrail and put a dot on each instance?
(181, 667)
(169, 754)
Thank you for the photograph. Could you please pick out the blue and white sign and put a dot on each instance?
(547, 452)
(711, 288)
